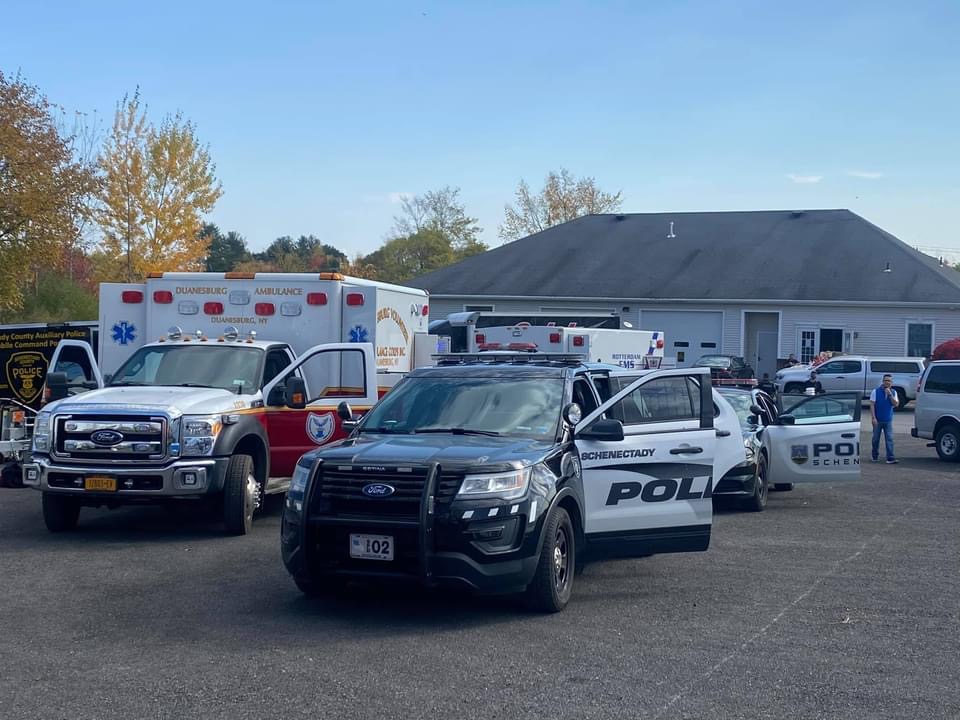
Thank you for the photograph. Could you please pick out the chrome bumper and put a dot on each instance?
(183, 478)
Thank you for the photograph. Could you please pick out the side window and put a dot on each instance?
(583, 396)
(76, 364)
(851, 366)
(662, 399)
(943, 379)
(335, 374)
(832, 368)
(277, 360)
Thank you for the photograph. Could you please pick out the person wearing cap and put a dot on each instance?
(812, 386)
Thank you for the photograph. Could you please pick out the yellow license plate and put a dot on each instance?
(103, 484)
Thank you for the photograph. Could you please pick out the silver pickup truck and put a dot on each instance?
(857, 373)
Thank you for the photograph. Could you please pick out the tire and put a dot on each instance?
(552, 583)
(783, 487)
(241, 495)
(758, 501)
(948, 442)
(901, 399)
(60, 513)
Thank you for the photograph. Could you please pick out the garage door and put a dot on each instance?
(689, 334)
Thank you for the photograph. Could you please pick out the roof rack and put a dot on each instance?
(509, 358)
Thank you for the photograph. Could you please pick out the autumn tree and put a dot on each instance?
(42, 188)
(403, 258)
(442, 212)
(562, 198)
(158, 181)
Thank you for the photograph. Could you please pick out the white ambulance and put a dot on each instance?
(214, 384)
(631, 349)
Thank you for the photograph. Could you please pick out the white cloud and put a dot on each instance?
(865, 174)
(805, 179)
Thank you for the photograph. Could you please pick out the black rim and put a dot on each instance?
(561, 561)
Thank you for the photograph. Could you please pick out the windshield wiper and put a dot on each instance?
(385, 430)
(195, 385)
(459, 431)
(127, 383)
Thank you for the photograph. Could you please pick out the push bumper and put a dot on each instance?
(181, 479)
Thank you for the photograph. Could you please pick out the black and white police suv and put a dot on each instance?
(504, 474)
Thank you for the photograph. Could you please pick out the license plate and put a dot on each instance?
(371, 547)
(100, 483)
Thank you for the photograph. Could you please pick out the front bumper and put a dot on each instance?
(738, 481)
(184, 478)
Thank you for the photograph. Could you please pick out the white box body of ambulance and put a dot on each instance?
(627, 348)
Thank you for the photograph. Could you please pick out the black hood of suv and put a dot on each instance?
(452, 452)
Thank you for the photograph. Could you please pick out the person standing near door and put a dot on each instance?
(882, 402)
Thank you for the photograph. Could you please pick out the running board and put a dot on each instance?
(276, 485)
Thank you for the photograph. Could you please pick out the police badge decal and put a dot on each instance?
(799, 454)
(25, 374)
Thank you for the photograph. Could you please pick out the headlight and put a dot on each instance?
(502, 486)
(41, 433)
(778, 376)
(751, 453)
(298, 484)
(198, 434)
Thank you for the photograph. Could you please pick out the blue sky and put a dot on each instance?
(320, 115)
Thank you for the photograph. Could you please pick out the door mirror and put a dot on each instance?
(572, 414)
(107, 378)
(604, 430)
(57, 388)
(787, 420)
(295, 393)
(344, 411)
(756, 410)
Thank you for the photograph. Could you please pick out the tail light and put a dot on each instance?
(213, 308)
(264, 309)
(131, 297)
(555, 337)
(354, 299)
(480, 338)
(316, 298)
(162, 297)
(578, 341)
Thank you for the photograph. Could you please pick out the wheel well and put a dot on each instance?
(253, 446)
(569, 504)
(943, 422)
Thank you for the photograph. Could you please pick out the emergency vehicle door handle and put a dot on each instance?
(848, 435)
(723, 433)
(686, 450)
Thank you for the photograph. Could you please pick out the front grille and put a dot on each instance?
(340, 491)
(138, 438)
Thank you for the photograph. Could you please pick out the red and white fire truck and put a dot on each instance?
(212, 385)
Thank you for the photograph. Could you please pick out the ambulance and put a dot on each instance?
(628, 348)
(212, 385)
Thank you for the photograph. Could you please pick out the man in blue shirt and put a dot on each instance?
(882, 402)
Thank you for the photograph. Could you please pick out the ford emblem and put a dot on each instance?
(378, 490)
(106, 437)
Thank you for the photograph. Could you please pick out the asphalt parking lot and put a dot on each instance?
(836, 602)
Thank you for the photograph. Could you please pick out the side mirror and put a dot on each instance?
(572, 414)
(295, 393)
(56, 386)
(787, 420)
(756, 410)
(107, 378)
(604, 430)
(344, 411)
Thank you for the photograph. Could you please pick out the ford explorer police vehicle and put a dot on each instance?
(221, 405)
(501, 473)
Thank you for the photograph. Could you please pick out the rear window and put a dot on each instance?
(887, 366)
(943, 379)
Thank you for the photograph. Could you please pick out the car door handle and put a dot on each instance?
(840, 377)
(848, 435)
(686, 450)
(723, 433)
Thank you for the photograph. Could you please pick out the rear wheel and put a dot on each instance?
(60, 513)
(948, 443)
(241, 495)
(552, 583)
(758, 501)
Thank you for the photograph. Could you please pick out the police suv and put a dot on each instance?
(503, 472)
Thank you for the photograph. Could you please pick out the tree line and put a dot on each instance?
(77, 209)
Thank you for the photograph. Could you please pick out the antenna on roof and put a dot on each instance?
(670, 234)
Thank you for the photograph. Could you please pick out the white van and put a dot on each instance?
(937, 415)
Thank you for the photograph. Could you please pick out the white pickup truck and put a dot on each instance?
(849, 373)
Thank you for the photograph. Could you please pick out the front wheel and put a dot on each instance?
(241, 495)
(552, 583)
(60, 513)
(948, 443)
(758, 501)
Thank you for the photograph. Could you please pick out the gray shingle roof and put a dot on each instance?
(817, 255)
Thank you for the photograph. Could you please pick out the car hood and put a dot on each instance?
(169, 400)
(450, 451)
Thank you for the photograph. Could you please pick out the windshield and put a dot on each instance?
(528, 407)
(717, 361)
(741, 403)
(230, 368)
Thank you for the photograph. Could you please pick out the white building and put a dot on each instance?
(760, 284)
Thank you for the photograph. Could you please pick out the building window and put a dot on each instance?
(478, 308)
(919, 339)
(808, 346)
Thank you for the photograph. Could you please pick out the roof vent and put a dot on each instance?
(671, 234)
(797, 213)
(887, 268)
(621, 217)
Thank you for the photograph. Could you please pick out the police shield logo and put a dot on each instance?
(25, 374)
(320, 427)
(799, 454)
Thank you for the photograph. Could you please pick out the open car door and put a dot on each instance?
(647, 466)
(74, 358)
(815, 439)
